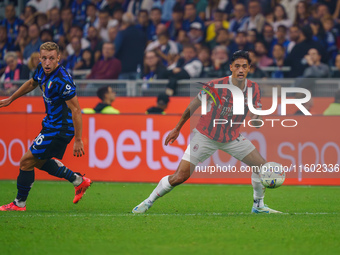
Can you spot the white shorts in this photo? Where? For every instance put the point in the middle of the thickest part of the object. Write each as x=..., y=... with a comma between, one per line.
x=202, y=147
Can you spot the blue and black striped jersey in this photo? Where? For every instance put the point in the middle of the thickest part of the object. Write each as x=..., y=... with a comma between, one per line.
x=57, y=88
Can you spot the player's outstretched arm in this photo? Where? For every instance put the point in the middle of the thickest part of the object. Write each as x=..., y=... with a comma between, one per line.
x=192, y=107
x=78, y=147
x=28, y=86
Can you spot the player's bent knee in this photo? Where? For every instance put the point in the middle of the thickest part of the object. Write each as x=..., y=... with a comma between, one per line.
x=177, y=179
x=27, y=162
x=26, y=165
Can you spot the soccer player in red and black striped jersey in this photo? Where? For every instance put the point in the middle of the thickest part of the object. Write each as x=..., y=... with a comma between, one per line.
x=209, y=137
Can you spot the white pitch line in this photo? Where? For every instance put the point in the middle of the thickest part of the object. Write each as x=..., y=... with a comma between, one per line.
x=24, y=215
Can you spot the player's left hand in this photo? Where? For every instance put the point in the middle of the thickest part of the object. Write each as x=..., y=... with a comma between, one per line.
x=78, y=148
x=256, y=121
x=172, y=136
x=5, y=102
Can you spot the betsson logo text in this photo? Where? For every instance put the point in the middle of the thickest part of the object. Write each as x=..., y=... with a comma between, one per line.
x=144, y=147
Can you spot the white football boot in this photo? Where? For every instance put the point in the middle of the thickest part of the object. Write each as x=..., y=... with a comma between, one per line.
x=264, y=209
x=142, y=207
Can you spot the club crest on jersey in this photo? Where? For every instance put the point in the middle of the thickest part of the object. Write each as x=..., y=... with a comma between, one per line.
x=49, y=84
x=195, y=147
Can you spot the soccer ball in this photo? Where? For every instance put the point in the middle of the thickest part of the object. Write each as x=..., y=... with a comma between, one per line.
x=272, y=175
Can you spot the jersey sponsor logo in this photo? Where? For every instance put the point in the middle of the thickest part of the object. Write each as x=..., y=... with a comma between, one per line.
x=46, y=99
x=227, y=111
x=209, y=93
x=68, y=91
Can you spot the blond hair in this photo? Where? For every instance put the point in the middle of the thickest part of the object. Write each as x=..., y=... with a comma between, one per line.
x=10, y=54
x=49, y=46
x=30, y=61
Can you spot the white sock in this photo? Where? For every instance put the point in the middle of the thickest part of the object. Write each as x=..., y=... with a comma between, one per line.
x=162, y=188
x=21, y=204
x=259, y=190
x=77, y=181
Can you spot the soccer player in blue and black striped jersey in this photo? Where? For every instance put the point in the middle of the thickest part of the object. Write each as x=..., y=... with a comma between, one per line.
x=62, y=122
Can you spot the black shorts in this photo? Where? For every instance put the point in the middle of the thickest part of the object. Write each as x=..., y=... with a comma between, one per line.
x=50, y=144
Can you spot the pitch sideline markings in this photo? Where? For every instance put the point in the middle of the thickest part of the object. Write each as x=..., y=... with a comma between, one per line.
x=7, y=214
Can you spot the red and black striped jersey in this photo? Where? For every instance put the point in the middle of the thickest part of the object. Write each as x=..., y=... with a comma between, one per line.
x=225, y=132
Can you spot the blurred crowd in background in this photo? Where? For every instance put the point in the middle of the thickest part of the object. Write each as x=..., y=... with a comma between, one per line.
x=172, y=39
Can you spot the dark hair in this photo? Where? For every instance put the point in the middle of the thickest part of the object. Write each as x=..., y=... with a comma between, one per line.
x=166, y=34
x=267, y=25
x=91, y=60
x=35, y=24
x=219, y=11
x=143, y=10
x=321, y=30
x=307, y=32
x=119, y=9
x=318, y=52
x=189, y=45
x=23, y=25
x=241, y=32
x=263, y=44
x=66, y=9
x=223, y=29
x=77, y=27
x=282, y=27
x=193, y=4
x=206, y=48
x=255, y=31
x=102, y=91
x=177, y=8
x=254, y=1
x=280, y=45
x=284, y=11
x=163, y=99
x=104, y=11
x=43, y=15
x=146, y=67
x=295, y=25
x=33, y=9
x=47, y=31
x=297, y=17
x=156, y=9
x=91, y=5
x=240, y=54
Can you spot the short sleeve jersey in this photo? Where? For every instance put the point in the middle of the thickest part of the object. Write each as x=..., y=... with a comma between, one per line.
x=57, y=88
x=225, y=132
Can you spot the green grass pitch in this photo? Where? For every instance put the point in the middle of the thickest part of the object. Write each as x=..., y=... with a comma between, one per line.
x=192, y=219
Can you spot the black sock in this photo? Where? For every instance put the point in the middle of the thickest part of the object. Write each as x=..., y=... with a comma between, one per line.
x=59, y=171
x=24, y=184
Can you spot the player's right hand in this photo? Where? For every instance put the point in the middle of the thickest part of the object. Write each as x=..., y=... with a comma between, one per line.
x=172, y=136
x=5, y=102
